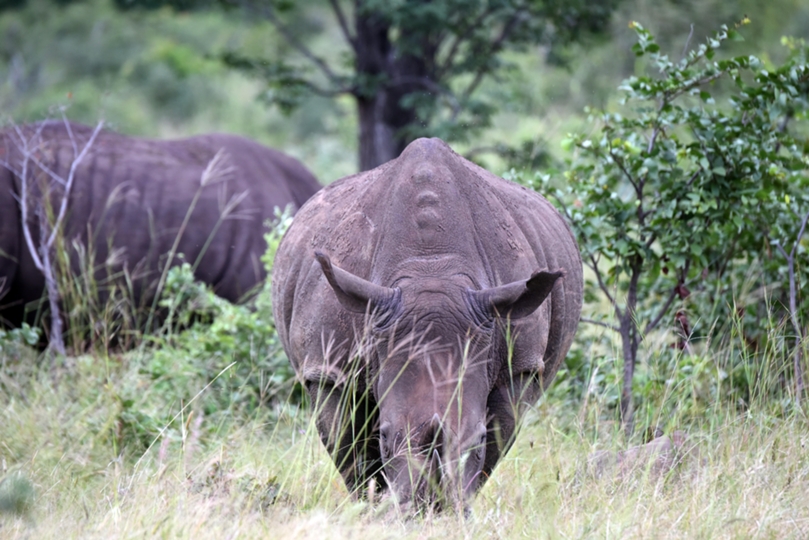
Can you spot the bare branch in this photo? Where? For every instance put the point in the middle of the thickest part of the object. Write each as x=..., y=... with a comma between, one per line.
x=496, y=45
x=460, y=36
x=266, y=11
x=26, y=229
x=601, y=284
x=47, y=170
x=69, y=184
x=69, y=132
x=800, y=234
x=338, y=12
x=688, y=40
x=600, y=323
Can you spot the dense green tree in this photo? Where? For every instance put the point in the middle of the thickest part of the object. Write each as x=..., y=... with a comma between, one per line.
x=413, y=66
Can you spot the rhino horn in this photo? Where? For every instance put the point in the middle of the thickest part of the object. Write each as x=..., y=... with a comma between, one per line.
x=359, y=295
x=517, y=299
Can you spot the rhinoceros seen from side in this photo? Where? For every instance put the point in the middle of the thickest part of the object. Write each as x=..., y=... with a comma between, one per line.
x=425, y=304
x=135, y=200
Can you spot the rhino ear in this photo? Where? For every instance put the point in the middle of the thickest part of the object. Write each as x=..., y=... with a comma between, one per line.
x=517, y=299
x=359, y=295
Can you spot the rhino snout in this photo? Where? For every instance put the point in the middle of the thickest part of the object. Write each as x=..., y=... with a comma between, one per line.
x=434, y=462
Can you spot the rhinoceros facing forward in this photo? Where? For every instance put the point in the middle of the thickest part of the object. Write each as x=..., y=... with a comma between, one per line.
x=425, y=304
x=135, y=200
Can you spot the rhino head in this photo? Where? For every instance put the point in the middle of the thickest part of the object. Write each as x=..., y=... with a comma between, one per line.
x=433, y=373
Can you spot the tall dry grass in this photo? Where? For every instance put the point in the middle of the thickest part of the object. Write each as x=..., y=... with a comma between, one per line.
x=66, y=475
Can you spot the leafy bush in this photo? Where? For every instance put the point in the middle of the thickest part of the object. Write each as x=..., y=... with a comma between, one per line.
x=208, y=340
x=215, y=359
x=682, y=192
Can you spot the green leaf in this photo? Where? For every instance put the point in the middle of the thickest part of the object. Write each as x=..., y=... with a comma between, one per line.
x=567, y=143
x=733, y=35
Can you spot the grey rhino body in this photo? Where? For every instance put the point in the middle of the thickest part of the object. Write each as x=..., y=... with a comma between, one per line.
x=426, y=242
x=129, y=203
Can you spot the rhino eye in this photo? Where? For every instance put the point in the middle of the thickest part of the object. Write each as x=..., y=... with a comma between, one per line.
x=383, y=434
x=481, y=446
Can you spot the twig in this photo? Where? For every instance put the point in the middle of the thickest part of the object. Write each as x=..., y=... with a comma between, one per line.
x=290, y=37
x=338, y=12
x=460, y=36
x=793, y=309
x=618, y=161
x=800, y=234
x=495, y=46
x=688, y=40
x=601, y=284
x=654, y=322
x=600, y=323
x=69, y=183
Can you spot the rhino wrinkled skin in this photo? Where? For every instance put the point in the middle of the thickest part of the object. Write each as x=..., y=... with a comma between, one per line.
x=130, y=198
x=425, y=304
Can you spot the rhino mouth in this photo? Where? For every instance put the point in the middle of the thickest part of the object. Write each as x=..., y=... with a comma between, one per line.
x=434, y=489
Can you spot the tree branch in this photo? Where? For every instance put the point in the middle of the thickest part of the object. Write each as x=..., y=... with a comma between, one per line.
x=653, y=139
x=23, y=200
x=496, y=45
x=653, y=237
x=601, y=284
x=599, y=323
x=338, y=12
x=688, y=40
x=618, y=161
x=77, y=159
x=267, y=12
x=654, y=322
x=800, y=234
x=460, y=36
x=695, y=84
x=693, y=177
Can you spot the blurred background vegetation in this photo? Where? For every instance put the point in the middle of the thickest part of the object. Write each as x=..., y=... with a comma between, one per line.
x=154, y=68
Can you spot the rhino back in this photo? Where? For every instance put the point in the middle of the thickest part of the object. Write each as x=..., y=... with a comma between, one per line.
x=428, y=204
x=10, y=243
x=133, y=199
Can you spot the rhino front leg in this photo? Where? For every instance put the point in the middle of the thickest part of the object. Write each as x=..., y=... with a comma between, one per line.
x=347, y=424
x=506, y=404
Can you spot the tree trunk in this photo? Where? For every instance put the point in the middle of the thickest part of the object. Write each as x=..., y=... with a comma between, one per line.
x=56, y=342
x=378, y=142
x=630, y=340
x=629, y=345
x=386, y=76
x=797, y=365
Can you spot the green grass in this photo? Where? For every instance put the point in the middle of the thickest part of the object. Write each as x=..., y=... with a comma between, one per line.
x=267, y=476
